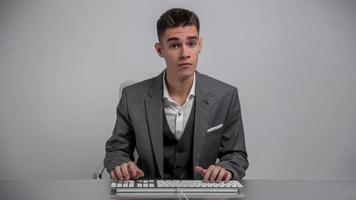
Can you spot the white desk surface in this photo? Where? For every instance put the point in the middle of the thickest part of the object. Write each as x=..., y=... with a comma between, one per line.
x=254, y=190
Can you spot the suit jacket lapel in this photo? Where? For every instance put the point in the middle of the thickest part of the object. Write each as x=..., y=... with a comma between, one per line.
x=153, y=105
x=202, y=99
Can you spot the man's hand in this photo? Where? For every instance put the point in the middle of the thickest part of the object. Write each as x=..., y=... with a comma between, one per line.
x=126, y=171
x=214, y=173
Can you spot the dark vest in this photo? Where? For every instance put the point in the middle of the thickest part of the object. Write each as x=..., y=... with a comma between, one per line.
x=178, y=154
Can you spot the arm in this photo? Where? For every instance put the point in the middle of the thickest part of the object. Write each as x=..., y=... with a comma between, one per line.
x=120, y=146
x=232, y=153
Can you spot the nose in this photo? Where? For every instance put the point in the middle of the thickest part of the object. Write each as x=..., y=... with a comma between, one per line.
x=184, y=53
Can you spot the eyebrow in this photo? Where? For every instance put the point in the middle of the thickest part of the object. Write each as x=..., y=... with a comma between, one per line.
x=177, y=39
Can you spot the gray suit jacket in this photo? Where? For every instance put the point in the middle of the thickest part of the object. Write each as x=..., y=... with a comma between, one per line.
x=218, y=129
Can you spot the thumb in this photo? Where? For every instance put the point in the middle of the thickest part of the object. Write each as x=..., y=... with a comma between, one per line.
x=200, y=170
x=139, y=173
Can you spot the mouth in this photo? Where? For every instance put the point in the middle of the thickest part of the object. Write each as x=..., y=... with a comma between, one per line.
x=185, y=64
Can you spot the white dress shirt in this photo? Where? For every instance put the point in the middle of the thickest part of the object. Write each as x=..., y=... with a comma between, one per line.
x=177, y=116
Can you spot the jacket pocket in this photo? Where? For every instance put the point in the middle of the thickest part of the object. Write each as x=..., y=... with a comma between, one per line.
x=215, y=130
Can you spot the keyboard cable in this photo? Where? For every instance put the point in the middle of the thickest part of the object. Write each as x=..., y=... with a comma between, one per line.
x=180, y=191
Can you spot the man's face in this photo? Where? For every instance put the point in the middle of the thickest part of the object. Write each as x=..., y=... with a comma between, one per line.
x=180, y=48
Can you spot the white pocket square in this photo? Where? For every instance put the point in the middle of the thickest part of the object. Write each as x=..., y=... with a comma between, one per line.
x=215, y=128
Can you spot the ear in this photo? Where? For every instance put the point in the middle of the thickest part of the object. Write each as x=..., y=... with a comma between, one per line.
x=200, y=44
x=158, y=48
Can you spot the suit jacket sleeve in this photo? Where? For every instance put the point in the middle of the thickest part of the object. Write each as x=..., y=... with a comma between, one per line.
x=120, y=146
x=232, y=154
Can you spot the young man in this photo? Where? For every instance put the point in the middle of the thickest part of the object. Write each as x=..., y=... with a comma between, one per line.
x=183, y=124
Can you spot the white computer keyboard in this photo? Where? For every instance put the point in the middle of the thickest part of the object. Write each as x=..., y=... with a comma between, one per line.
x=172, y=186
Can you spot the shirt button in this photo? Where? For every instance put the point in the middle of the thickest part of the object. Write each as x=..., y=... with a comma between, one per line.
x=179, y=113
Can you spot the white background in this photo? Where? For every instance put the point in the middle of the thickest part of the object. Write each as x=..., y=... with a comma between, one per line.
x=294, y=63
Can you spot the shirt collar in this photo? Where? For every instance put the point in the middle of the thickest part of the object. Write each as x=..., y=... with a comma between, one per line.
x=166, y=93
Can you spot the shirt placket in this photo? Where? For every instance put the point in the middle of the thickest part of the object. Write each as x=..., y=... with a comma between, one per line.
x=179, y=122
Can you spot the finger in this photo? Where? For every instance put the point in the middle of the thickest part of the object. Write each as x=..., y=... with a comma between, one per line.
x=118, y=173
x=200, y=170
x=139, y=173
x=113, y=175
x=228, y=176
x=132, y=169
x=221, y=175
x=215, y=173
x=208, y=173
x=124, y=171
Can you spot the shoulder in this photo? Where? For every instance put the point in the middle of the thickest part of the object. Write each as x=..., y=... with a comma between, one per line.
x=214, y=85
x=142, y=87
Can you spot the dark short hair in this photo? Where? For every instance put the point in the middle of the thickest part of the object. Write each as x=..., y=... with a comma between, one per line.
x=176, y=17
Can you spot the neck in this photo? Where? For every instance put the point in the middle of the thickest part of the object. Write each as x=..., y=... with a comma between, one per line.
x=179, y=88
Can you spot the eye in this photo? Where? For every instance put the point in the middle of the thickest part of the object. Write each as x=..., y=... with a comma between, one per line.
x=173, y=45
x=192, y=43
